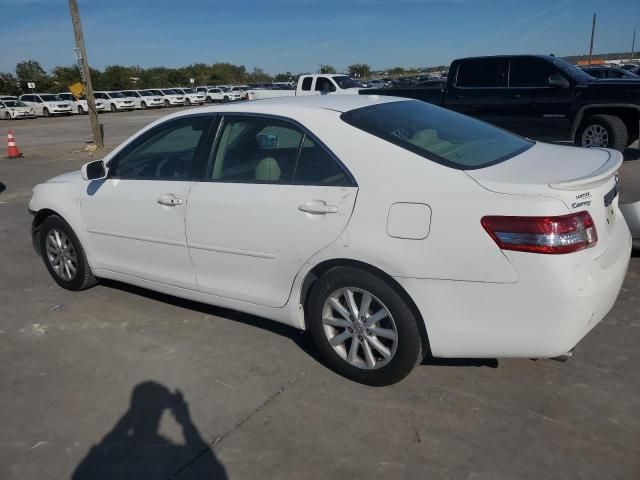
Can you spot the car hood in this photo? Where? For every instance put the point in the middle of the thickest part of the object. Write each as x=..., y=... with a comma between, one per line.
x=69, y=177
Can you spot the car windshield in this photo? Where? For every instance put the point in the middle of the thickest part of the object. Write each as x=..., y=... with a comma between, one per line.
x=575, y=72
x=346, y=82
x=189, y=90
x=169, y=92
x=116, y=95
x=50, y=98
x=145, y=94
x=440, y=135
x=14, y=103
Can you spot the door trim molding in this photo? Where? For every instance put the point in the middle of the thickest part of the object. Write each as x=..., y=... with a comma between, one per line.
x=232, y=251
x=141, y=238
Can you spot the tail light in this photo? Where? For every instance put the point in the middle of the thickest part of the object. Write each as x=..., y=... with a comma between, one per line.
x=553, y=235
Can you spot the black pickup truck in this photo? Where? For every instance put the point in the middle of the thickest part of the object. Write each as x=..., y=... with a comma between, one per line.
x=539, y=97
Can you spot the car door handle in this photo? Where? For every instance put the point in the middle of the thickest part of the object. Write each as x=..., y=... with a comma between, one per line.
x=170, y=200
x=317, y=208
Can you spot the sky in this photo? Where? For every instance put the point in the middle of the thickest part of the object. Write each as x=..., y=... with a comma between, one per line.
x=298, y=35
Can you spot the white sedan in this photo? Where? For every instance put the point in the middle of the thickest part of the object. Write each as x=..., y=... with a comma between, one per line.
x=14, y=109
x=191, y=96
x=389, y=228
x=80, y=106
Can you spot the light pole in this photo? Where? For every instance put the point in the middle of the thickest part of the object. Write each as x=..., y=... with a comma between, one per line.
x=85, y=73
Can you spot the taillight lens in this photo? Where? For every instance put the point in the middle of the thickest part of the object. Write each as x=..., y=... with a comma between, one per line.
x=560, y=234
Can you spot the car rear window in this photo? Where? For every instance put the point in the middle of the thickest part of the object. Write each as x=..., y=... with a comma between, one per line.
x=440, y=135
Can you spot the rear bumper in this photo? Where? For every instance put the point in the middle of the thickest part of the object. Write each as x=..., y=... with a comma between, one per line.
x=556, y=301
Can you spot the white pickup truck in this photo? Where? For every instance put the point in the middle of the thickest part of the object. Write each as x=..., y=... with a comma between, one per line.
x=319, y=84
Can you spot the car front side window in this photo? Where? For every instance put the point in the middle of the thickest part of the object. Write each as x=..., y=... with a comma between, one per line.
x=167, y=152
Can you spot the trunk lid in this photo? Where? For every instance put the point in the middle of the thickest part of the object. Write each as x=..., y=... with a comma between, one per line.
x=583, y=179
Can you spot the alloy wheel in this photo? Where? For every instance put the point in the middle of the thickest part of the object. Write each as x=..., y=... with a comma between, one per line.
x=595, y=135
x=61, y=255
x=359, y=328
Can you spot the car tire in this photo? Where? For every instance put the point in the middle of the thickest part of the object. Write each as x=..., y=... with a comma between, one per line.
x=166, y=104
x=187, y=102
x=113, y=108
x=80, y=110
x=380, y=359
x=59, y=246
x=143, y=105
x=7, y=116
x=208, y=100
x=225, y=99
x=605, y=131
x=45, y=112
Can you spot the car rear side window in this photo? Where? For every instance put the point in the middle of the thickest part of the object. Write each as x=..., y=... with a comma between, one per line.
x=166, y=152
x=482, y=73
x=316, y=167
x=306, y=83
x=440, y=135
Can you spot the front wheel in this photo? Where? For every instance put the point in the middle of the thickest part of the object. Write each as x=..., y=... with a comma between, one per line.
x=80, y=110
x=166, y=104
x=64, y=256
x=188, y=102
x=225, y=100
x=604, y=131
x=7, y=116
x=114, y=109
x=363, y=328
x=45, y=112
x=143, y=105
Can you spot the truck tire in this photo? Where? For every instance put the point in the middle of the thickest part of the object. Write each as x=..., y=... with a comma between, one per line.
x=605, y=131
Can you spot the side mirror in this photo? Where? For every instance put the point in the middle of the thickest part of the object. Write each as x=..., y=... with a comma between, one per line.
x=94, y=170
x=557, y=80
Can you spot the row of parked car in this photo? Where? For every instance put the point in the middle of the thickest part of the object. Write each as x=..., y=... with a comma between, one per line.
x=48, y=104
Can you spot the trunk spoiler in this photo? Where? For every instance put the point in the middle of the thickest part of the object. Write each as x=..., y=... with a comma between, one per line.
x=608, y=168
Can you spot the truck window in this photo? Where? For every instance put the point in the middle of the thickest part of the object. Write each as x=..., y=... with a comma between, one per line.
x=324, y=85
x=482, y=73
x=530, y=72
x=306, y=83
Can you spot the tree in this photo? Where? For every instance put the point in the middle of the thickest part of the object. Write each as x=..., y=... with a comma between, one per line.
x=324, y=68
x=396, y=71
x=258, y=76
x=9, y=84
x=62, y=77
x=283, y=77
x=117, y=77
x=32, y=71
x=359, y=70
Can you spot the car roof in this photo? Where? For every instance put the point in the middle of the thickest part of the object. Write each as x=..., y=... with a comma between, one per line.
x=279, y=105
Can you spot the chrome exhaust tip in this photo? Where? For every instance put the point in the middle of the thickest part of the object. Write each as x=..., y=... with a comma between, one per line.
x=564, y=357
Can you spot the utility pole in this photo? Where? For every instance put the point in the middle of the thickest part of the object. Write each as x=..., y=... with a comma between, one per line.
x=83, y=63
x=593, y=31
x=633, y=45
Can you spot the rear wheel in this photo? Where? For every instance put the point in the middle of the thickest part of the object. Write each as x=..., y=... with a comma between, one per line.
x=604, y=131
x=64, y=256
x=362, y=327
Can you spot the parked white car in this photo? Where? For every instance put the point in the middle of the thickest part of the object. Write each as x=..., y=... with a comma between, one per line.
x=310, y=85
x=191, y=96
x=15, y=109
x=115, y=101
x=220, y=94
x=389, y=228
x=46, y=104
x=80, y=106
x=8, y=97
x=169, y=97
x=143, y=99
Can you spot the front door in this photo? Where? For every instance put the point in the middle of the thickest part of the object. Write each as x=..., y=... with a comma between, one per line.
x=134, y=220
x=274, y=197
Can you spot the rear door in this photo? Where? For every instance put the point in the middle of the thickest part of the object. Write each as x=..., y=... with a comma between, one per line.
x=272, y=197
x=480, y=89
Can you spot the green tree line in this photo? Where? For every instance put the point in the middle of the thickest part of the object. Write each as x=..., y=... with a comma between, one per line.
x=118, y=77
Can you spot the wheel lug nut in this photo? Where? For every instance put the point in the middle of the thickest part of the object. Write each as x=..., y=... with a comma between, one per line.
x=350, y=330
x=368, y=332
x=359, y=337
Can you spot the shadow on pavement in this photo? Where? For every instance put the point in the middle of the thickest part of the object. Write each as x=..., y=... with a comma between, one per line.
x=461, y=362
x=300, y=338
x=631, y=154
x=135, y=450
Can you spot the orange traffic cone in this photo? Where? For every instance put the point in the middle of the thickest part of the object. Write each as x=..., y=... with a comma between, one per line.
x=12, y=149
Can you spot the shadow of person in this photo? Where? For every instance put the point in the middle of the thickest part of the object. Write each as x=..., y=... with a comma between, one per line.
x=135, y=450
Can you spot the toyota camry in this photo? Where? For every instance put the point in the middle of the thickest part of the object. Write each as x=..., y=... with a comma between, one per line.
x=389, y=228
